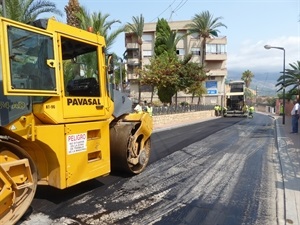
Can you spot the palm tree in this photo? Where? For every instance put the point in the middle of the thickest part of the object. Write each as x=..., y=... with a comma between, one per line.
x=206, y=26
x=292, y=78
x=171, y=40
x=247, y=78
x=96, y=22
x=137, y=27
x=100, y=24
x=28, y=10
x=72, y=9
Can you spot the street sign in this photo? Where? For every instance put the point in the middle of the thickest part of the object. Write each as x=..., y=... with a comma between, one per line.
x=211, y=92
x=211, y=84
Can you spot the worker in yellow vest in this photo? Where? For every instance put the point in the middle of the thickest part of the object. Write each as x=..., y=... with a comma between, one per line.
x=216, y=108
x=149, y=109
x=251, y=111
x=281, y=110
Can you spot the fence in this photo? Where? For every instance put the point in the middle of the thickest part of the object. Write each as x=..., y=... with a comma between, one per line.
x=164, y=110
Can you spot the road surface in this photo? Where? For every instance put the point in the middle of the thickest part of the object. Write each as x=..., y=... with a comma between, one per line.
x=221, y=171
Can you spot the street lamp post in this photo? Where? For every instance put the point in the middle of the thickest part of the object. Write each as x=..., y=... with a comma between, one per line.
x=283, y=82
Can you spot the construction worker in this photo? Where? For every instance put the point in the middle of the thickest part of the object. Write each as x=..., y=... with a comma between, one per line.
x=139, y=107
x=281, y=109
x=216, y=108
x=149, y=109
x=251, y=111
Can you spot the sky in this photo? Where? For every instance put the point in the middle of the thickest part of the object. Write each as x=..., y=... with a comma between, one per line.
x=251, y=24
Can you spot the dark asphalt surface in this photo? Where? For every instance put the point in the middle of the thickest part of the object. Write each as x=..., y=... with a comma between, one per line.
x=199, y=174
x=170, y=140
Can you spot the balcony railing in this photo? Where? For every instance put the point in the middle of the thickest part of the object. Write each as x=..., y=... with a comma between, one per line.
x=132, y=76
x=217, y=72
x=133, y=61
x=132, y=46
x=215, y=56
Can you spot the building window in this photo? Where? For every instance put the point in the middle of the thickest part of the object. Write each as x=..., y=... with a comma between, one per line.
x=195, y=36
x=180, y=51
x=216, y=48
x=147, y=53
x=147, y=38
x=180, y=34
x=195, y=51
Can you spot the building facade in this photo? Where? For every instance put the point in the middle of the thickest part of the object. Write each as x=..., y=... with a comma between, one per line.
x=215, y=60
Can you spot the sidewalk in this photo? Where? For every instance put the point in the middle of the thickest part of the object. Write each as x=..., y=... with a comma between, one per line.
x=289, y=160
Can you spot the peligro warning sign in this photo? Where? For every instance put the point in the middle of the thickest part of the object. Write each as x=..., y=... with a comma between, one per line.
x=76, y=143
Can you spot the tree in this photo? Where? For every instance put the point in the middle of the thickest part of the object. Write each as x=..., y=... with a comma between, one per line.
x=100, y=24
x=162, y=72
x=171, y=40
x=206, y=26
x=165, y=43
x=95, y=22
x=137, y=27
x=162, y=31
x=194, y=75
x=165, y=94
x=197, y=89
x=28, y=10
x=271, y=101
x=292, y=79
x=247, y=77
x=72, y=10
x=171, y=75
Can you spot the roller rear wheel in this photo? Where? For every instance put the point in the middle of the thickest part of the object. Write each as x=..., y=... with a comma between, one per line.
x=18, y=182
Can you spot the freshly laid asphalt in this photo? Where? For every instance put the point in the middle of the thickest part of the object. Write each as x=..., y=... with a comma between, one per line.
x=288, y=146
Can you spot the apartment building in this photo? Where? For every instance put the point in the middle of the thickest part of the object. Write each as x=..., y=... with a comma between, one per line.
x=215, y=61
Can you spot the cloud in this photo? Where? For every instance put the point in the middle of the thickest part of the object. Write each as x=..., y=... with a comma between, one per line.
x=253, y=56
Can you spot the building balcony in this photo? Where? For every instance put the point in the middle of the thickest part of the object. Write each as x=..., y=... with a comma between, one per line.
x=132, y=76
x=216, y=56
x=131, y=46
x=217, y=72
x=133, y=62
